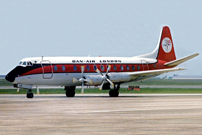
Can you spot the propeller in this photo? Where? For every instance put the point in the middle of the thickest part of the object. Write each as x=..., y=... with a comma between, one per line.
x=104, y=77
x=82, y=79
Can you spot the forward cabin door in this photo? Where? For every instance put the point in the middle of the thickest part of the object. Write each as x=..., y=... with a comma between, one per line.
x=47, y=69
x=145, y=65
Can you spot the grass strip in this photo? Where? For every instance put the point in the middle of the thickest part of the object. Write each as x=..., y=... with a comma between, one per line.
x=97, y=91
x=167, y=82
x=3, y=82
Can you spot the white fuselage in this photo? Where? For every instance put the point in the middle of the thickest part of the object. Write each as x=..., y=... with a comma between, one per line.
x=63, y=71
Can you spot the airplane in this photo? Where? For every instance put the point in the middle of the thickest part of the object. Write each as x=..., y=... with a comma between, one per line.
x=105, y=72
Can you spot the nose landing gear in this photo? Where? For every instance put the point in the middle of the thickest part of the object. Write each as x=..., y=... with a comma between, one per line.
x=30, y=94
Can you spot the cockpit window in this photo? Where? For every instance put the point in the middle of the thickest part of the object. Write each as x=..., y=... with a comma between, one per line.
x=29, y=63
x=24, y=63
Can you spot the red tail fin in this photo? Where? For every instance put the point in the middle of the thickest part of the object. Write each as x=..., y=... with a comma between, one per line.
x=166, y=50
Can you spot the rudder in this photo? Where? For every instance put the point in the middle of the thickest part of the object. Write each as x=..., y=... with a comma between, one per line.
x=165, y=46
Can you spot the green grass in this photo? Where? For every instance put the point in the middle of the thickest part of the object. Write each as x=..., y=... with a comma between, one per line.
x=97, y=91
x=167, y=82
x=3, y=82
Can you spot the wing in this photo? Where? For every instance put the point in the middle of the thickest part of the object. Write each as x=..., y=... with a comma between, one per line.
x=141, y=75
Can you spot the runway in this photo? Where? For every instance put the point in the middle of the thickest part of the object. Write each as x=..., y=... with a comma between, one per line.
x=100, y=114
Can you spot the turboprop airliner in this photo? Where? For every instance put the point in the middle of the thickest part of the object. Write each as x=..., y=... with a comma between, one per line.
x=96, y=71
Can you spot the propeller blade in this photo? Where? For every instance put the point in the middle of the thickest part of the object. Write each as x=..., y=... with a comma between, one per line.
x=82, y=88
x=110, y=82
x=102, y=84
x=82, y=71
x=109, y=67
x=98, y=71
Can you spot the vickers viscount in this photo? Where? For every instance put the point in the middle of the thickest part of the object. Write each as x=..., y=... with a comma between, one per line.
x=96, y=71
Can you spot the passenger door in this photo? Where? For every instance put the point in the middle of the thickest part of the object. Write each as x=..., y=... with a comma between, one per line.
x=145, y=65
x=47, y=69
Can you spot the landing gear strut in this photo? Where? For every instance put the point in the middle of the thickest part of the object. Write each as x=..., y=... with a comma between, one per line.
x=30, y=94
x=114, y=92
x=70, y=91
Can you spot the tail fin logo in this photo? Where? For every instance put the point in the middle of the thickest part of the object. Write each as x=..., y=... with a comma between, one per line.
x=166, y=45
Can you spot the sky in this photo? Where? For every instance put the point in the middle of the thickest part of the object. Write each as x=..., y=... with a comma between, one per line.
x=115, y=28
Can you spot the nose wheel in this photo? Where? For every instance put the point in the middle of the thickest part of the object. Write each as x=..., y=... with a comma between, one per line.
x=30, y=94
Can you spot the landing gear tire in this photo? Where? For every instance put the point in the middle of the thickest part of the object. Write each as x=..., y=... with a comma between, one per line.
x=113, y=93
x=30, y=94
x=70, y=93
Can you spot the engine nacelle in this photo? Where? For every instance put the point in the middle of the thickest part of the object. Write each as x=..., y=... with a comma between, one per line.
x=23, y=86
x=114, y=77
x=119, y=77
x=93, y=79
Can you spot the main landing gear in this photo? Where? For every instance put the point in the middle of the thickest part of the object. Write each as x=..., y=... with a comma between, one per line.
x=70, y=91
x=114, y=92
x=30, y=94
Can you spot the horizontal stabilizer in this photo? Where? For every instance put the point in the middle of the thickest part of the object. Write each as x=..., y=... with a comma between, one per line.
x=179, y=61
x=154, y=72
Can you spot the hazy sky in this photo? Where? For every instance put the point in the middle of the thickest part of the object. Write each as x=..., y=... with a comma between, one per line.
x=30, y=28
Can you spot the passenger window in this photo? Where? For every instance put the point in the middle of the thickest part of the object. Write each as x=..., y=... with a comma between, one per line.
x=122, y=68
x=88, y=68
x=95, y=67
x=133, y=67
x=75, y=68
x=115, y=68
x=63, y=68
x=108, y=66
x=128, y=68
x=55, y=68
x=138, y=68
x=102, y=67
x=154, y=66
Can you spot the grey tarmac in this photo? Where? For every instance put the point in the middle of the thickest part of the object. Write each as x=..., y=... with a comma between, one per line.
x=99, y=114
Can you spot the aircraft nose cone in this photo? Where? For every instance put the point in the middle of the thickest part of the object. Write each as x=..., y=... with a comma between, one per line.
x=12, y=75
x=10, y=78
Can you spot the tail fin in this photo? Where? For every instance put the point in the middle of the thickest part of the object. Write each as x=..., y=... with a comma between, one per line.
x=165, y=48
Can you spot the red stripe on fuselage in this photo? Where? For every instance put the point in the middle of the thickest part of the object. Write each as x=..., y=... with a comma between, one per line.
x=69, y=68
